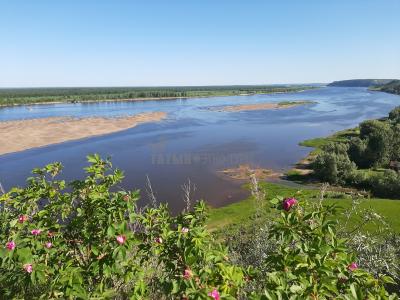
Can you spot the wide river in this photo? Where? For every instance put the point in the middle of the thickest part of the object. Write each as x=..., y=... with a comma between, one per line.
x=195, y=142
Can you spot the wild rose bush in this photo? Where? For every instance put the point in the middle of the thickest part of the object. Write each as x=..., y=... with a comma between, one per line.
x=89, y=240
x=81, y=240
x=310, y=261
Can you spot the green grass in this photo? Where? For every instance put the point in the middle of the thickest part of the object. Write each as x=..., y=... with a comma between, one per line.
x=287, y=103
x=241, y=213
x=340, y=136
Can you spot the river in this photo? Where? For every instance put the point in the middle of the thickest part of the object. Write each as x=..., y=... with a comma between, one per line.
x=195, y=142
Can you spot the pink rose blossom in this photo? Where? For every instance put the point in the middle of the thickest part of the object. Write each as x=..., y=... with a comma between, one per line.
x=158, y=240
x=36, y=231
x=214, y=294
x=48, y=245
x=185, y=230
x=352, y=267
x=22, y=218
x=121, y=239
x=288, y=203
x=10, y=245
x=187, y=274
x=28, y=268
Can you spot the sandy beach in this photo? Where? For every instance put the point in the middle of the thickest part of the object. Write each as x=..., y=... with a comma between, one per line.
x=26, y=134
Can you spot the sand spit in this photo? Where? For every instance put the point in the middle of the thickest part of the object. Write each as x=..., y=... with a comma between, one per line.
x=261, y=106
x=26, y=134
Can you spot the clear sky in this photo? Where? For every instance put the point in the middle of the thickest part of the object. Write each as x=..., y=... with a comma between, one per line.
x=196, y=42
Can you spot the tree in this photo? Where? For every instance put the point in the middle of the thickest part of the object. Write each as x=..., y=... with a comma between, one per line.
x=378, y=137
x=356, y=152
x=394, y=115
x=333, y=167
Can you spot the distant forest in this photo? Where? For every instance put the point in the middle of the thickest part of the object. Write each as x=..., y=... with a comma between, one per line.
x=15, y=96
x=360, y=82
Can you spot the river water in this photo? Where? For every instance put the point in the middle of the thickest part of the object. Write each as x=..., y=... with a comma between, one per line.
x=195, y=142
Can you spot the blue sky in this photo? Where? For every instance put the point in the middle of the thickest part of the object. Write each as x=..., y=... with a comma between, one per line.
x=207, y=42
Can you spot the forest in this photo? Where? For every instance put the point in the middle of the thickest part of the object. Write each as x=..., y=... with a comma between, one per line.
x=19, y=96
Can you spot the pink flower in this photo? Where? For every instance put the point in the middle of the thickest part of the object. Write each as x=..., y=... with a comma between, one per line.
x=36, y=231
x=11, y=245
x=288, y=203
x=121, y=239
x=185, y=230
x=22, y=218
x=352, y=267
x=214, y=294
x=48, y=245
x=187, y=274
x=28, y=268
x=158, y=240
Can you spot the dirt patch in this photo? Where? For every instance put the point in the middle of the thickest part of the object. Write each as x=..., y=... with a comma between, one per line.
x=243, y=172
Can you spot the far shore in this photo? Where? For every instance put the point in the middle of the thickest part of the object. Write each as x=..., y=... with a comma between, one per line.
x=139, y=99
x=21, y=135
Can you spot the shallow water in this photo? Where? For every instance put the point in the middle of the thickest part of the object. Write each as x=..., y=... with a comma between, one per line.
x=195, y=142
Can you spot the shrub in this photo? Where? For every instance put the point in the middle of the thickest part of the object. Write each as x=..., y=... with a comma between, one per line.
x=378, y=138
x=357, y=148
x=88, y=240
x=394, y=115
x=82, y=240
x=333, y=166
x=385, y=184
x=311, y=261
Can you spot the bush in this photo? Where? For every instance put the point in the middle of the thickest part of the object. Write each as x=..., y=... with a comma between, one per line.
x=385, y=184
x=394, y=115
x=357, y=148
x=81, y=241
x=88, y=240
x=378, y=138
x=333, y=164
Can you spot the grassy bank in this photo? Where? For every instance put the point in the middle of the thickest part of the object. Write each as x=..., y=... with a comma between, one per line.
x=241, y=213
x=45, y=95
x=340, y=136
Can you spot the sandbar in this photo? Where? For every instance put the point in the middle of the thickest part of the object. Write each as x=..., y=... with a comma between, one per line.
x=261, y=106
x=20, y=135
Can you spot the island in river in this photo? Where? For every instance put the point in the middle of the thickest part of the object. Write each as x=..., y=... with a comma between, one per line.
x=262, y=106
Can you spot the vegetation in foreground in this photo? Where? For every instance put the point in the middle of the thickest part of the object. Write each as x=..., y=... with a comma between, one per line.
x=87, y=240
x=43, y=95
